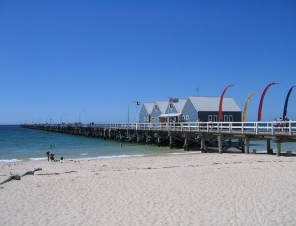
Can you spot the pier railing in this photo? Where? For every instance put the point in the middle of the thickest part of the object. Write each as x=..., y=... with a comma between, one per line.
x=264, y=128
x=272, y=128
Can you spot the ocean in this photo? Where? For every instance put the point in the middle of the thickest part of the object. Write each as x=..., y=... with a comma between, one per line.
x=22, y=144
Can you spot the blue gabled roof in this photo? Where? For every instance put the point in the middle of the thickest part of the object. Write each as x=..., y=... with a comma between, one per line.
x=180, y=104
x=162, y=105
x=149, y=107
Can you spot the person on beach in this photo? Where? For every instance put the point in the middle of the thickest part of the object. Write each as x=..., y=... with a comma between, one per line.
x=51, y=156
x=121, y=140
x=47, y=153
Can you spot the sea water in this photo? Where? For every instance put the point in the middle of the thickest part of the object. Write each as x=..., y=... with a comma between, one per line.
x=22, y=144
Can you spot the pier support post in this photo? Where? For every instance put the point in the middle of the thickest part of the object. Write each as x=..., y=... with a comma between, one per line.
x=202, y=143
x=171, y=141
x=242, y=144
x=158, y=140
x=269, y=151
x=247, y=145
x=186, y=147
x=147, y=138
x=220, y=142
x=279, y=149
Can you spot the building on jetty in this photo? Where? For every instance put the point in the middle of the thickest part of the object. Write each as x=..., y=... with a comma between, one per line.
x=145, y=112
x=223, y=135
x=190, y=109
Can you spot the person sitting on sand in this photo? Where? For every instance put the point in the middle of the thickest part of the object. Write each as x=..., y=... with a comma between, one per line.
x=51, y=156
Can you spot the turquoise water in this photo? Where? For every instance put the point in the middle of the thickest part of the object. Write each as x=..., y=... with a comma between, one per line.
x=21, y=144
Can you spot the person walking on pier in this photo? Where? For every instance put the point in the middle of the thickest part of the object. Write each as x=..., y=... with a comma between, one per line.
x=286, y=124
x=275, y=124
x=281, y=124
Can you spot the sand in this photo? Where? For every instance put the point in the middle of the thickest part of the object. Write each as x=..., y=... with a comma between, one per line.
x=189, y=189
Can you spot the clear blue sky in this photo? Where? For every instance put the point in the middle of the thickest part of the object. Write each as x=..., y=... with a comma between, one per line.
x=58, y=58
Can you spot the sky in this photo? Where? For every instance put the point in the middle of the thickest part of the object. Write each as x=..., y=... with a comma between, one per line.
x=89, y=60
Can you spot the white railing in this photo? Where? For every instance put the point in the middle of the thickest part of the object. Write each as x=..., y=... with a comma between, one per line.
x=272, y=128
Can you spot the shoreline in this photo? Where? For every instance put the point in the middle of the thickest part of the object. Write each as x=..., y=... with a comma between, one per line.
x=179, y=151
x=184, y=189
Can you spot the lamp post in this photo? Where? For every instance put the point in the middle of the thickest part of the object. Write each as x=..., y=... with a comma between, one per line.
x=62, y=118
x=80, y=117
x=47, y=118
x=39, y=119
x=137, y=102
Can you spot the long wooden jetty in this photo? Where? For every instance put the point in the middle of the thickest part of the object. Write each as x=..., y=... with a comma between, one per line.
x=223, y=135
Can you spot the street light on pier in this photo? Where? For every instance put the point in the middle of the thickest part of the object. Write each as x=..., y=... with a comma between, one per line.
x=38, y=119
x=80, y=116
x=137, y=103
x=47, y=118
x=62, y=118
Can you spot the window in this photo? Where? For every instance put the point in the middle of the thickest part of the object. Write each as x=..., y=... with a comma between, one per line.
x=209, y=118
x=225, y=118
x=187, y=117
x=215, y=118
x=230, y=118
x=156, y=107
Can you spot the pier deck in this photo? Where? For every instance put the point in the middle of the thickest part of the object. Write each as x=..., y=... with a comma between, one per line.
x=220, y=134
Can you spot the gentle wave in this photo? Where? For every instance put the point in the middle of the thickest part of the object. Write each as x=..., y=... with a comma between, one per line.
x=188, y=152
x=105, y=157
x=37, y=159
x=10, y=160
x=118, y=156
x=84, y=153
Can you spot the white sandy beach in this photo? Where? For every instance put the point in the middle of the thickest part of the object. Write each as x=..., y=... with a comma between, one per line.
x=189, y=189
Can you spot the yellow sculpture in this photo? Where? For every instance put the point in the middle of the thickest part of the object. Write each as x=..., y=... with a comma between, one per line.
x=246, y=106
